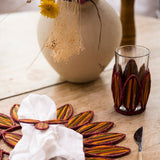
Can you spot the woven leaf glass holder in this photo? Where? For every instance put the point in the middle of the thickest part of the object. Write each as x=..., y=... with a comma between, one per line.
x=131, y=79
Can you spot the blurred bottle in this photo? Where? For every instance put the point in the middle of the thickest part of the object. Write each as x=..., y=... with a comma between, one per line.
x=128, y=22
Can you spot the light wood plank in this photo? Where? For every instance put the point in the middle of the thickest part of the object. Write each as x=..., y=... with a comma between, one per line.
x=18, y=49
x=97, y=96
x=148, y=33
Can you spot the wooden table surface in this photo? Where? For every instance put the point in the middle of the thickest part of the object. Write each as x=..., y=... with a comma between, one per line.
x=18, y=78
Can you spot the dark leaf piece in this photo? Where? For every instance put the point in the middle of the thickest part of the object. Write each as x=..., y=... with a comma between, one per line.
x=97, y=158
x=146, y=85
x=107, y=151
x=103, y=139
x=5, y=121
x=131, y=93
x=131, y=68
x=2, y=152
x=117, y=88
x=29, y=121
x=141, y=73
x=13, y=128
x=80, y=119
x=11, y=138
x=56, y=121
x=65, y=112
x=42, y=126
x=95, y=128
x=118, y=69
x=13, y=112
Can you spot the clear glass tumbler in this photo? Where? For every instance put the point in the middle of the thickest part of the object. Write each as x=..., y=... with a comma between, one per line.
x=131, y=80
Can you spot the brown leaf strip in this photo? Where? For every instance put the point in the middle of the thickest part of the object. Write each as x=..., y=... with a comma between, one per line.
x=5, y=121
x=146, y=85
x=13, y=112
x=103, y=139
x=97, y=158
x=29, y=121
x=141, y=73
x=80, y=119
x=118, y=69
x=131, y=68
x=117, y=89
x=107, y=151
x=13, y=128
x=95, y=128
x=42, y=125
x=11, y=138
x=131, y=93
x=56, y=121
x=64, y=112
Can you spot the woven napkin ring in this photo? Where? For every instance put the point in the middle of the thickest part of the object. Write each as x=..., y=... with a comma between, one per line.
x=42, y=125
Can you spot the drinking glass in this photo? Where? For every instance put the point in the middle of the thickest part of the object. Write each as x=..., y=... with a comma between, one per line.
x=131, y=80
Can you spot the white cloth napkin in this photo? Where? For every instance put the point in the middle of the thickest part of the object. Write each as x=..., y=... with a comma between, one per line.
x=56, y=143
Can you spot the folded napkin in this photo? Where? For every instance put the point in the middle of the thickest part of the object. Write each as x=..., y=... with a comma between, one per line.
x=56, y=143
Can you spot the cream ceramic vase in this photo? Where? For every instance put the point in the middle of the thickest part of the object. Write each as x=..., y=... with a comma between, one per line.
x=87, y=65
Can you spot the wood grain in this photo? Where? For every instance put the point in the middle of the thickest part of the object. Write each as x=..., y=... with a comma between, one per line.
x=94, y=96
x=18, y=49
x=97, y=96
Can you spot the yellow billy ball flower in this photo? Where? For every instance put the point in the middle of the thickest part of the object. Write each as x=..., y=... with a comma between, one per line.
x=49, y=8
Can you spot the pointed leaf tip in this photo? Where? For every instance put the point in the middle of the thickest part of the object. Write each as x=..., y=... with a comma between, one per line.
x=94, y=128
x=107, y=151
x=65, y=112
x=117, y=88
x=131, y=93
x=42, y=126
x=11, y=138
x=80, y=119
x=131, y=68
x=13, y=112
x=146, y=85
x=104, y=139
x=5, y=121
x=97, y=158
